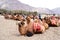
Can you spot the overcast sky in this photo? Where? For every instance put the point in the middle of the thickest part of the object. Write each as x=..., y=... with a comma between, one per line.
x=51, y=4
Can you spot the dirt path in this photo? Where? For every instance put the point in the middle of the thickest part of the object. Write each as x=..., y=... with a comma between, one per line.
x=9, y=31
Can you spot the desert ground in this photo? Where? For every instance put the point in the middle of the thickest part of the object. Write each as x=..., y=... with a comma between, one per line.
x=9, y=31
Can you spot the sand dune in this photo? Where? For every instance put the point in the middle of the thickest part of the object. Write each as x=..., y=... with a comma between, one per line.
x=9, y=31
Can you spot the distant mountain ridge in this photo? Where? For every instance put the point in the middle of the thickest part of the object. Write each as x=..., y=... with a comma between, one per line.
x=56, y=10
x=17, y=5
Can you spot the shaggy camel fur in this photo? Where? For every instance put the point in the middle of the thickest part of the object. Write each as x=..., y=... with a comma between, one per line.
x=30, y=24
x=22, y=27
x=20, y=17
x=45, y=24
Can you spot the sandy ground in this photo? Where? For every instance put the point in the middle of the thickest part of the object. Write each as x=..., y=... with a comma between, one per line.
x=9, y=31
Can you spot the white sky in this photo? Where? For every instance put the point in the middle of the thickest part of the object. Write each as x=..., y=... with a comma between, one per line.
x=51, y=4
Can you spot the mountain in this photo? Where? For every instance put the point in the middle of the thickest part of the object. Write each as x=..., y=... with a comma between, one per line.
x=44, y=10
x=56, y=10
x=17, y=5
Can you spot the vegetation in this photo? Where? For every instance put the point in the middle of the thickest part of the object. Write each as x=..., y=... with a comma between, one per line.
x=2, y=11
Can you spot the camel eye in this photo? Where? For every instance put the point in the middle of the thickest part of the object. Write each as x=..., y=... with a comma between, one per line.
x=22, y=23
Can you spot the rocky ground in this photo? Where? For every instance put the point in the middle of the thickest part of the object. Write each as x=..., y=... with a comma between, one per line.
x=9, y=31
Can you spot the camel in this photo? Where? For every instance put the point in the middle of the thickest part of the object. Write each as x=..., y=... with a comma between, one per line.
x=6, y=16
x=51, y=21
x=45, y=24
x=58, y=21
x=20, y=17
x=22, y=27
x=47, y=20
x=14, y=17
x=38, y=26
x=29, y=26
x=26, y=27
x=10, y=16
x=54, y=21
